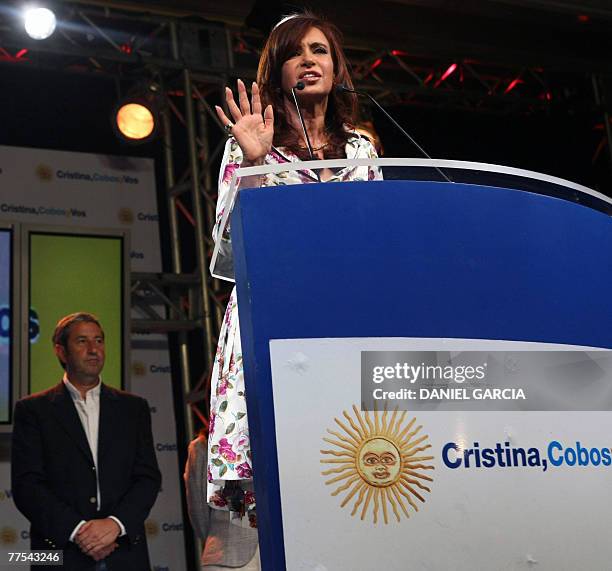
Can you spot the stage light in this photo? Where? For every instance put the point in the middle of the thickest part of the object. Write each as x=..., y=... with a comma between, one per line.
x=135, y=118
x=512, y=85
x=449, y=71
x=39, y=22
x=375, y=64
x=135, y=121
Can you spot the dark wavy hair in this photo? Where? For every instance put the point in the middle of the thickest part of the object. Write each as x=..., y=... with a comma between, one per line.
x=282, y=43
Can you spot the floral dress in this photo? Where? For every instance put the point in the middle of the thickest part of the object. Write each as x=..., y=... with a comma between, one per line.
x=229, y=451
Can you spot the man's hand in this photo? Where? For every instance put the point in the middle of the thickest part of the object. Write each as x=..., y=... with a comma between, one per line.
x=96, y=537
x=104, y=552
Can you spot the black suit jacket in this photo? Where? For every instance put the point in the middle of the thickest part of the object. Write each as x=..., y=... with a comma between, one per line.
x=54, y=476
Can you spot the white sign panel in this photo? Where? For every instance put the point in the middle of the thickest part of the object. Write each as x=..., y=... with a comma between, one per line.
x=435, y=490
x=86, y=191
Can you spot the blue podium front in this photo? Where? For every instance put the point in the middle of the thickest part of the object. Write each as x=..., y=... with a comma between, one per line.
x=402, y=259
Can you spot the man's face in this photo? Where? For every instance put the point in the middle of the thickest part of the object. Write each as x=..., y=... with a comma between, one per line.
x=84, y=353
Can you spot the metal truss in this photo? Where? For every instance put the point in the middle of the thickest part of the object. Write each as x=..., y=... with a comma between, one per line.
x=397, y=78
x=130, y=45
x=165, y=303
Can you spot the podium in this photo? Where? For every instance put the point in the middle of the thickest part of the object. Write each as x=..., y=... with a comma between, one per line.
x=416, y=259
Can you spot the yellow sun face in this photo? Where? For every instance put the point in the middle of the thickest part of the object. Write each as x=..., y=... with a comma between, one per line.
x=380, y=462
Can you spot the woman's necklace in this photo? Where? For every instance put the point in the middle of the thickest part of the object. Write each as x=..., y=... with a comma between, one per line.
x=315, y=149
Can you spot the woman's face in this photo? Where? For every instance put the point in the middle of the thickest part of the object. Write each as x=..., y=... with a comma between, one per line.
x=312, y=64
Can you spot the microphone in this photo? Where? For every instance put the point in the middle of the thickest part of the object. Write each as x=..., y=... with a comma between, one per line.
x=344, y=88
x=299, y=86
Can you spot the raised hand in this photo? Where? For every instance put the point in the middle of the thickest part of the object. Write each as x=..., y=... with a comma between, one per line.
x=253, y=130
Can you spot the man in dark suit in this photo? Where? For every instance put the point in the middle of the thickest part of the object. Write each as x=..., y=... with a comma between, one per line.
x=84, y=470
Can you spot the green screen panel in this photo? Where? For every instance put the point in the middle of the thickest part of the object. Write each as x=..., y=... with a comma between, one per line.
x=70, y=273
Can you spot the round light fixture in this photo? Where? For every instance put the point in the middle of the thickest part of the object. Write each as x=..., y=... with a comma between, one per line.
x=135, y=121
x=39, y=23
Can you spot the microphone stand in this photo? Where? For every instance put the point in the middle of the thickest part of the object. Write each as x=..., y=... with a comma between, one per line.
x=299, y=86
x=388, y=116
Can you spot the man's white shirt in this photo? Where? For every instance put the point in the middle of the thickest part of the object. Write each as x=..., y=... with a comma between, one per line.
x=88, y=409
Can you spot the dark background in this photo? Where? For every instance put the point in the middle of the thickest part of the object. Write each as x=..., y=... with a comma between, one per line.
x=43, y=105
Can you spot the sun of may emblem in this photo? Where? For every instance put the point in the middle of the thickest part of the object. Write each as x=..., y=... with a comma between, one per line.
x=378, y=462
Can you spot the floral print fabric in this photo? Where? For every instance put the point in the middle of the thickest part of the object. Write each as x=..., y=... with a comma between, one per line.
x=229, y=452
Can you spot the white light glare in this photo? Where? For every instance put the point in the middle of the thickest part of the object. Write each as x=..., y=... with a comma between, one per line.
x=39, y=23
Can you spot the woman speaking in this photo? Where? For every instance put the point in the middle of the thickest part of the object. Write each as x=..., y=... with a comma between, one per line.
x=303, y=52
